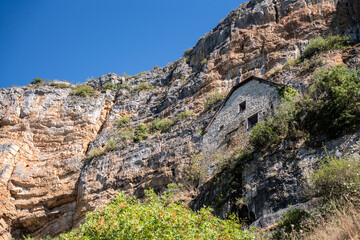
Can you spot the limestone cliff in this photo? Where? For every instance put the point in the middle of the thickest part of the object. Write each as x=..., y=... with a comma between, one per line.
x=45, y=132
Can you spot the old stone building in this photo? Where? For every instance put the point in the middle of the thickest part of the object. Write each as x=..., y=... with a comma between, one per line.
x=247, y=103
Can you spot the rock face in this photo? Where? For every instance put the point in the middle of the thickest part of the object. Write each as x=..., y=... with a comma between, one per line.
x=46, y=187
x=44, y=135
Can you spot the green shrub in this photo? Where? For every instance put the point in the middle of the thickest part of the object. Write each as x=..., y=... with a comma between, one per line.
x=110, y=145
x=160, y=125
x=83, y=90
x=290, y=63
x=204, y=62
x=184, y=115
x=94, y=153
x=37, y=81
x=212, y=98
x=279, y=126
x=136, y=76
x=334, y=100
x=195, y=172
x=157, y=217
x=292, y=221
x=123, y=121
x=125, y=135
x=336, y=178
x=312, y=63
x=109, y=86
x=320, y=44
x=143, y=86
x=61, y=85
x=141, y=131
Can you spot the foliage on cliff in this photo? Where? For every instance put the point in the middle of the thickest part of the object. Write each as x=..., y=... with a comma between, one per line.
x=155, y=218
x=333, y=98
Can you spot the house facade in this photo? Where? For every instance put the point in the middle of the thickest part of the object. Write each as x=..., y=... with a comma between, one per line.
x=247, y=103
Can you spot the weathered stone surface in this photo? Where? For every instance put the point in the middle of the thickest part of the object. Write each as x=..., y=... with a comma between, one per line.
x=45, y=188
x=44, y=135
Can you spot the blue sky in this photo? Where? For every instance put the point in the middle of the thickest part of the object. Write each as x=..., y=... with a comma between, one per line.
x=77, y=39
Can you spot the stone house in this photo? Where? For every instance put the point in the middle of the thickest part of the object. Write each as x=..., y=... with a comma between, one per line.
x=247, y=103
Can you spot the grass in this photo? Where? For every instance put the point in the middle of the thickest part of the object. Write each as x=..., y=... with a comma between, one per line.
x=184, y=115
x=212, y=98
x=160, y=125
x=321, y=44
x=341, y=224
x=143, y=86
x=123, y=121
x=83, y=90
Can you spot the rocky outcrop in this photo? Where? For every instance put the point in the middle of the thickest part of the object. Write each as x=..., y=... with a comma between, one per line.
x=44, y=133
x=46, y=187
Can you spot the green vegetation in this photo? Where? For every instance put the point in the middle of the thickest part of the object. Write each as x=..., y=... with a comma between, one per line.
x=83, y=90
x=336, y=178
x=136, y=76
x=61, y=85
x=160, y=125
x=204, y=62
x=184, y=115
x=320, y=44
x=212, y=98
x=186, y=55
x=333, y=99
x=123, y=121
x=143, y=86
x=141, y=132
x=110, y=145
x=292, y=221
x=125, y=135
x=37, y=81
x=157, y=217
x=109, y=86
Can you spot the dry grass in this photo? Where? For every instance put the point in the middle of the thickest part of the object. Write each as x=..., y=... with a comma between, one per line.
x=342, y=224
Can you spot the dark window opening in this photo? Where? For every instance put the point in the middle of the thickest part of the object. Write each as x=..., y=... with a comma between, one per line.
x=242, y=107
x=252, y=121
x=221, y=127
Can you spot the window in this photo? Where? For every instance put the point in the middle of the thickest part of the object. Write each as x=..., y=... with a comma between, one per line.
x=252, y=121
x=242, y=106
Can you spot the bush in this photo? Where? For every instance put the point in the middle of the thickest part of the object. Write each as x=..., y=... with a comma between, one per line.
x=184, y=115
x=336, y=177
x=61, y=85
x=94, y=153
x=292, y=220
x=155, y=218
x=312, y=63
x=126, y=135
x=109, y=86
x=123, y=121
x=320, y=44
x=160, y=125
x=279, y=126
x=83, y=90
x=195, y=172
x=37, y=81
x=143, y=86
x=110, y=145
x=141, y=132
x=212, y=98
x=334, y=100
x=204, y=62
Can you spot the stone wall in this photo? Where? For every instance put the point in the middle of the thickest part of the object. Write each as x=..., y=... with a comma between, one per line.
x=231, y=125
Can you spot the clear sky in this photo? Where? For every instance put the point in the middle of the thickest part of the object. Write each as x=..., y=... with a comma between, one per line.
x=77, y=39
